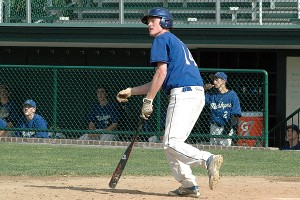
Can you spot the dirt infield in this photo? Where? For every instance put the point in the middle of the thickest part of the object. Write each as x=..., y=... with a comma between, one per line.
x=90, y=188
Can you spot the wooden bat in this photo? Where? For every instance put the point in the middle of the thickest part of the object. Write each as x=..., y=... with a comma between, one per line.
x=122, y=163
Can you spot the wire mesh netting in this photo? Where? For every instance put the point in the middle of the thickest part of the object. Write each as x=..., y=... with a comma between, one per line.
x=193, y=12
x=65, y=97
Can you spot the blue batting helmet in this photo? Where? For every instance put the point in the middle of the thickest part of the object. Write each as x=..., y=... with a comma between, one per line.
x=166, y=20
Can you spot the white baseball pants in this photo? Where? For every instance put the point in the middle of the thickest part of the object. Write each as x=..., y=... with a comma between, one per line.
x=183, y=111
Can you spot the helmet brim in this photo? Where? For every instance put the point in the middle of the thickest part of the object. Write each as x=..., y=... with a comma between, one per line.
x=145, y=19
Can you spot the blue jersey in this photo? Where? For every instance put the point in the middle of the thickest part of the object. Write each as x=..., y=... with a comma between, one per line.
x=103, y=116
x=182, y=68
x=297, y=147
x=222, y=106
x=37, y=122
x=9, y=112
x=2, y=123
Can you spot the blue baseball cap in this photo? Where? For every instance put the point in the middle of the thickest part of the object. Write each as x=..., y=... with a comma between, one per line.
x=293, y=127
x=220, y=75
x=29, y=102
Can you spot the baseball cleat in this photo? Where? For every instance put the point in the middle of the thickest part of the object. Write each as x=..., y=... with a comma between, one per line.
x=186, y=192
x=214, y=170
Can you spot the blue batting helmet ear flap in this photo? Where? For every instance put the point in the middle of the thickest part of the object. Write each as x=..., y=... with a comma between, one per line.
x=166, y=17
x=166, y=23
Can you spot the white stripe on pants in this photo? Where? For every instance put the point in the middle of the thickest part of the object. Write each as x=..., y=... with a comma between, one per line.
x=183, y=111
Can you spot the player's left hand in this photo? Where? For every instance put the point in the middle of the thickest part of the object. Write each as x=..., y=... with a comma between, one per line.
x=123, y=95
x=147, y=108
x=227, y=129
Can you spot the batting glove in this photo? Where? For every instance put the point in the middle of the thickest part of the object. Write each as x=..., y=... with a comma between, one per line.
x=123, y=95
x=147, y=108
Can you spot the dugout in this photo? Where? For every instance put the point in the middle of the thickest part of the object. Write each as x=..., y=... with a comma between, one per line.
x=215, y=47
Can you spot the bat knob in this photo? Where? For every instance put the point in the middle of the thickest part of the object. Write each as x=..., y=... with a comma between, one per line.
x=112, y=185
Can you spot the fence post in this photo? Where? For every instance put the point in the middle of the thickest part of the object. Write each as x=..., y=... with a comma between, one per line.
x=218, y=12
x=55, y=77
x=28, y=11
x=254, y=10
x=121, y=11
x=266, y=111
x=298, y=9
x=260, y=12
x=1, y=11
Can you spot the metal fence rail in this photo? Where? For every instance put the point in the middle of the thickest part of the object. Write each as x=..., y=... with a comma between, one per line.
x=191, y=12
x=64, y=95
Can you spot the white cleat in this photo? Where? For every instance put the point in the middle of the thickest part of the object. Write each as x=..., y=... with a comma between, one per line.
x=214, y=170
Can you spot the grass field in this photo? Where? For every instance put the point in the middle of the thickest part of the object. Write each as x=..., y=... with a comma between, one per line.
x=51, y=160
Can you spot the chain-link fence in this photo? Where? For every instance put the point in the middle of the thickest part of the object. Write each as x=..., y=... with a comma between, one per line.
x=64, y=96
x=191, y=12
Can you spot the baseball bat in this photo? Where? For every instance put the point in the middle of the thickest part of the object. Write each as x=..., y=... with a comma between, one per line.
x=122, y=163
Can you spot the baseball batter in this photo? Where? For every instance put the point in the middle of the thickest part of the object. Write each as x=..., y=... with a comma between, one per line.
x=178, y=75
x=225, y=109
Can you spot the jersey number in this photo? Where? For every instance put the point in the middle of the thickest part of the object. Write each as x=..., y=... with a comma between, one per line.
x=188, y=57
x=225, y=115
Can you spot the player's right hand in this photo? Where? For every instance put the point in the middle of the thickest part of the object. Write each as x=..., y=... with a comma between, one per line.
x=147, y=108
x=123, y=95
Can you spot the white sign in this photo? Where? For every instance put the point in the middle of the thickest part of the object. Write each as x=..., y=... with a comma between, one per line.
x=292, y=85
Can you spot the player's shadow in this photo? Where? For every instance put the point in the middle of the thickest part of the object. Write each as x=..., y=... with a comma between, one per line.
x=102, y=191
x=126, y=191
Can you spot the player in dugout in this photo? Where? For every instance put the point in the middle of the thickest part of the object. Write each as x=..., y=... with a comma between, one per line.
x=292, y=137
x=31, y=120
x=225, y=109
